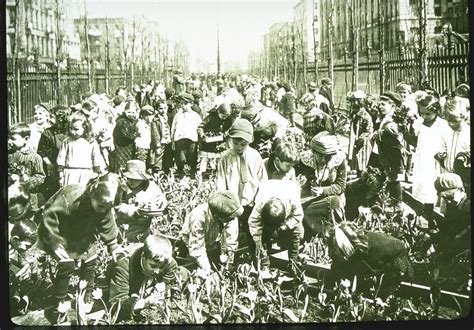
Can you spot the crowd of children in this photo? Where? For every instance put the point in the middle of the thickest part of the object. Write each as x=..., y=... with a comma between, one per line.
x=85, y=169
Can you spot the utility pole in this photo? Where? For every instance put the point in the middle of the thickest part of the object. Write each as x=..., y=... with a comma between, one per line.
x=107, y=56
x=293, y=38
x=59, y=41
x=142, y=57
x=88, y=50
x=355, y=50
x=369, y=48
x=123, y=65
x=305, y=58
x=134, y=36
x=19, y=28
x=315, y=44
x=423, y=70
x=218, y=45
x=381, y=45
x=330, y=48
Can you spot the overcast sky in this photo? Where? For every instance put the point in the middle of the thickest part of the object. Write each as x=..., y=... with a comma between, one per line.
x=242, y=23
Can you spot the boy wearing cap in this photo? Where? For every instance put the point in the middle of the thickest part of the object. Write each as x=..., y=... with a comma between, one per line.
x=210, y=224
x=142, y=200
x=277, y=214
x=390, y=146
x=362, y=128
x=143, y=140
x=386, y=108
x=160, y=138
x=326, y=91
x=184, y=135
x=241, y=169
x=287, y=105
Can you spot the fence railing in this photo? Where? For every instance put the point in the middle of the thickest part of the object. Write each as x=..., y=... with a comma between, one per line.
x=42, y=86
x=446, y=68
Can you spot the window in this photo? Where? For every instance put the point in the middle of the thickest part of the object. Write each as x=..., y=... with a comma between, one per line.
x=12, y=16
x=437, y=7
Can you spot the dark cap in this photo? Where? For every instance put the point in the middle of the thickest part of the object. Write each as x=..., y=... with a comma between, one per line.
x=392, y=96
x=147, y=110
x=186, y=97
x=326, y=81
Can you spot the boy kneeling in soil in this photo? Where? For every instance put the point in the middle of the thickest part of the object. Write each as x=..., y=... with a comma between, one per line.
x=140, y=279
x=209, y=229
x=277, y=215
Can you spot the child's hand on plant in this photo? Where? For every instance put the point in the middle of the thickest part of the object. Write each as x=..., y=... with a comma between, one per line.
x=61, y=253
x=125, y=209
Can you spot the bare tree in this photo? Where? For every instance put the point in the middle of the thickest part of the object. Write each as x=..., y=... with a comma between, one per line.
x=59, y=51
x=381, y=45
x=330, y=46
x=423, y=59
x=315, y=43
x=17, y=49
x=88, y=50
x=134, y=38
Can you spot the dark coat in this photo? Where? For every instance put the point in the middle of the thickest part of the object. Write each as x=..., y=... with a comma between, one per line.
x=327, y=94
x=390, y=154
x=385, y=254
x=212, y=125
x=124, y=134
x=69, y=220
x=128, y=277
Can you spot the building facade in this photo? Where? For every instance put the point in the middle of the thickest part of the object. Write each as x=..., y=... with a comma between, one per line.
x=35, y=28
x=397, y=21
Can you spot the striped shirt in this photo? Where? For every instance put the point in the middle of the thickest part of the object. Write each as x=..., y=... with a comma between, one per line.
x=31, y=164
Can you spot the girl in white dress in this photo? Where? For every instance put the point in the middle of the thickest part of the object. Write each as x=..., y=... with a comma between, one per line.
x=428, y=142
x=79, y=157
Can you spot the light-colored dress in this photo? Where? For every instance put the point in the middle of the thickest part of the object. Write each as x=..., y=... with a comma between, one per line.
x=425, y=166
x=79, y=157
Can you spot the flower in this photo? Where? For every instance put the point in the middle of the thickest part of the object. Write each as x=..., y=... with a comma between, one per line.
x=82, y=284
x=160, y=286
x=97, y=294
x=346, y=283
x=64, y=306
x=192, y=288
x=251, y=295
x=322, y=297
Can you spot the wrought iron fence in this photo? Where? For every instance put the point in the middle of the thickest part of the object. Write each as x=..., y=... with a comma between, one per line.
x=446, y=69
x=40, y=84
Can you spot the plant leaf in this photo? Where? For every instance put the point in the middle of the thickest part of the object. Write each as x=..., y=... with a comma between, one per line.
x=96, y=316
x=291, y=315
x=305, y=308
x=215, y=317
x=244, y=310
